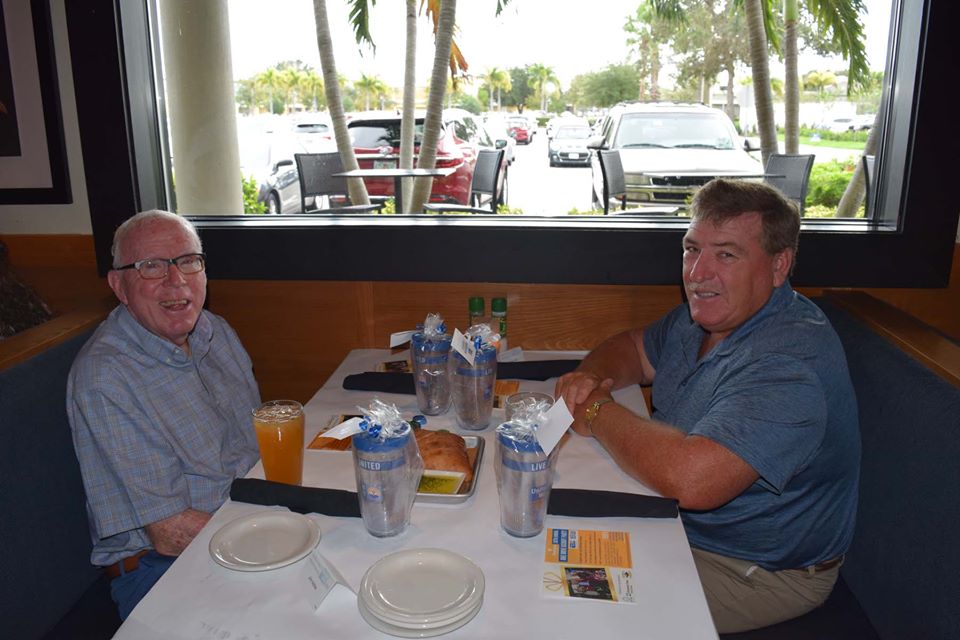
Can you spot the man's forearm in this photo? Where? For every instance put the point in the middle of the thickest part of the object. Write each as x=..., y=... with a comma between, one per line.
x=618, y=358
x=171, y=536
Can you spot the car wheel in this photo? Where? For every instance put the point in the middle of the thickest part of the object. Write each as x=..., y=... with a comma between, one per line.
x=273, y=205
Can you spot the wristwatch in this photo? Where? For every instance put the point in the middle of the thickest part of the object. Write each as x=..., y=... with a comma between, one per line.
x=594, y=409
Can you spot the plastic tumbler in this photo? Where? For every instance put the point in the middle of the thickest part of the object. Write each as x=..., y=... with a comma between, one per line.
x=431, y=372
x=524, y=478
x=526, y=400
x=279, y=428
x=388, y=472
x=473, y=388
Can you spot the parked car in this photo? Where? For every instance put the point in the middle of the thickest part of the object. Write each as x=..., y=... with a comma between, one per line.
x=268, y=157
x=496, y=127
x=670, y=150
x=565, y=118
x=569, y=146
x=520, y=129
x=376, y=142
x=847, y=123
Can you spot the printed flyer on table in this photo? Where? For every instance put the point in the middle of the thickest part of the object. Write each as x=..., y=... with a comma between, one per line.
x=594, y=565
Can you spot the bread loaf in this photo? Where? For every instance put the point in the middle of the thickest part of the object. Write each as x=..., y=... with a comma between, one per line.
x=444, y=451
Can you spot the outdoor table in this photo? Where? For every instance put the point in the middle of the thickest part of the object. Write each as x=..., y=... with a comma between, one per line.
x=199, y=599
x=398, y=175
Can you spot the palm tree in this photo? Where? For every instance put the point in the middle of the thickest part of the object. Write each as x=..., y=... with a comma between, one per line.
x=760, y=65
x=841, y=18
x=820, y=80
x=368, y=87
x=269, y=80
x=356, y=186
x=496, y=79
x=311, y=86
x=408, y=117
x=446, y=22
x=540, y=76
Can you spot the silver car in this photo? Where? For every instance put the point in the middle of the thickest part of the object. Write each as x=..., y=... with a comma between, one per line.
x=670, y=150
x=569, y=146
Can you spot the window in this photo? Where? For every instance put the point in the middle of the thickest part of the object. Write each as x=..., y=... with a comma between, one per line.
x=122, y=156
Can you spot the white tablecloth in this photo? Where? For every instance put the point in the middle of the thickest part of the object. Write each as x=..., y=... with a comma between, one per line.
x=199, y=599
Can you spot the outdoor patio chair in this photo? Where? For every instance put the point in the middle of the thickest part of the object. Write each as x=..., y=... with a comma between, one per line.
x=485, y=189
x=868, y=179
x=315, y=172
x=614, y=182
x=790, y=174
x=615, y=187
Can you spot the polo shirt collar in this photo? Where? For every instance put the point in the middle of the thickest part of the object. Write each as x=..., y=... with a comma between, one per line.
x=779, y=300
x=164, y=350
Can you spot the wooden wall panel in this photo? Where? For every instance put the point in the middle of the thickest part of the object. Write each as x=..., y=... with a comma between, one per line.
x=295, y=350
x=61, y=268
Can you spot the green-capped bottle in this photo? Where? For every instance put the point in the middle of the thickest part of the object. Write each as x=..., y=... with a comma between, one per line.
x=498, y=311
x=476, y=307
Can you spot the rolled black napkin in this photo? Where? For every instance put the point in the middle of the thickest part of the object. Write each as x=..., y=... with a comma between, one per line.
x=609, y=504
x=393, y=382
x=329, y=502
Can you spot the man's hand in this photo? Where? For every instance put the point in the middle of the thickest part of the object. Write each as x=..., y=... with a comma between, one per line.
x=575, y=387
x=580, y=424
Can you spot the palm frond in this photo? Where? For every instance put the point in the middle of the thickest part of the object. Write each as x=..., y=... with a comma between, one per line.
x=842, y=19
x=360, y=21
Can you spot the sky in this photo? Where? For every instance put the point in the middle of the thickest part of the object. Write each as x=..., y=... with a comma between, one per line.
x=265, y=32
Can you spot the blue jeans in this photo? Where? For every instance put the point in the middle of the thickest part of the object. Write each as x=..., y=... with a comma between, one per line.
x=128, y=588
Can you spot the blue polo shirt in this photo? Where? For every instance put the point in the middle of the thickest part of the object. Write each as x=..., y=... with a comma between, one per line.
x=777, y=393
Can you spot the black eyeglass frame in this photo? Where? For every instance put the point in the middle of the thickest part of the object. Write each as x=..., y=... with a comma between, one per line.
x=167, y=261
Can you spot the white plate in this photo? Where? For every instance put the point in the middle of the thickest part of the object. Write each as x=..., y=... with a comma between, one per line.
x=265, y=540
x=421, y=587
x=412, y=632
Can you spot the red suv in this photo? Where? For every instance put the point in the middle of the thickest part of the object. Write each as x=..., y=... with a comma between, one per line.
x=519, y=128
x=376, y=143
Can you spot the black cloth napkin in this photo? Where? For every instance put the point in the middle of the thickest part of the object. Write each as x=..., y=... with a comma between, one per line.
x=393, y=382
x=610, y=504
x=329, y=502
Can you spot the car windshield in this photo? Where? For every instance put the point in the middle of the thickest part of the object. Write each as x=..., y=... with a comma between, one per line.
x=573, y=133
x=373, y=134
x=674, y=130
x=517, y=122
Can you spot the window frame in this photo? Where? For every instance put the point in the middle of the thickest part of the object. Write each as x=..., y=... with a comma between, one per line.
x=116, y=106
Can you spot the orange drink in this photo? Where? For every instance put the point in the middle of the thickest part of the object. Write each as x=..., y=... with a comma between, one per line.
x=279, y=428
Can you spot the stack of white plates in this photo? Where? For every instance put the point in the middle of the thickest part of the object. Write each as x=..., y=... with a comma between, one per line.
x=420, y=593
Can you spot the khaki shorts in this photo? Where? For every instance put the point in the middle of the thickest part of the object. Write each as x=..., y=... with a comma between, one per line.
x=743, y=596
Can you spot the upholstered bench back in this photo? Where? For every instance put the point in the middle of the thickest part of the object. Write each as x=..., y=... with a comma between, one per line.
x=904, y=563
x=44, y=536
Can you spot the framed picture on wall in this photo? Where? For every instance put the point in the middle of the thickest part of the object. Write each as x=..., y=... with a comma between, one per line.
x=33, y=158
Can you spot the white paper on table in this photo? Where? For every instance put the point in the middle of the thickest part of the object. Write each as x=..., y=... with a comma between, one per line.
x=400, y=337
x=346, y=428
x=319, y=577
x=558, y=421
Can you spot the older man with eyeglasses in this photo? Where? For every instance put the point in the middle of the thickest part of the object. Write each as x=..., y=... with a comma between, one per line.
x=159, y=400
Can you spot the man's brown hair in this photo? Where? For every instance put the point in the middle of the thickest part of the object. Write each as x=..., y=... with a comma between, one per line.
x=721, y=200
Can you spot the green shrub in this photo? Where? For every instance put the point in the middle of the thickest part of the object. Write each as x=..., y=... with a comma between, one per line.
x=828, y=181
x=250, y=191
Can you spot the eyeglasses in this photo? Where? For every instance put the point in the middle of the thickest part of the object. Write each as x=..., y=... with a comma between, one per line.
x=155, y=268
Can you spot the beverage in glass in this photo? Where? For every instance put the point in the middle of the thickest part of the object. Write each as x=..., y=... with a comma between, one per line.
x=279, y=428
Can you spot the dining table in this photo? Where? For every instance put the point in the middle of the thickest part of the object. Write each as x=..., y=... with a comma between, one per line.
x=399, y=175
x=200, y=599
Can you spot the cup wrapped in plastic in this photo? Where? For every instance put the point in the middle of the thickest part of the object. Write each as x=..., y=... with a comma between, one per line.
x=524, y=472
x=430, y=359
x=473, y=383
x=388, y=467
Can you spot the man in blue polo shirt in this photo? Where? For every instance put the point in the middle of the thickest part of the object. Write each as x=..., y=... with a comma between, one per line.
x=754, y=428
x=159, y=401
